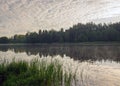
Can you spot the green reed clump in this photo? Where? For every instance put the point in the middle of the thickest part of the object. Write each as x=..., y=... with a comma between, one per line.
x=34, y=73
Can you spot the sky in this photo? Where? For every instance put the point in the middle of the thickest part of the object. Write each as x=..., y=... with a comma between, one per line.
x=21, y=16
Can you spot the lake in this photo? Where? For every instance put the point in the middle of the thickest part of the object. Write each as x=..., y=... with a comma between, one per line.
x=96, y=64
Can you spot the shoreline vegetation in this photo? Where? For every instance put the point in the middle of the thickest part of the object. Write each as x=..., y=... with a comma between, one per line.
x=34, y=73
x=81, y=43
x=79, y=33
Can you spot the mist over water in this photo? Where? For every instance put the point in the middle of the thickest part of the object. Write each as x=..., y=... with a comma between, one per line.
x=75, y=51
x=94, y=65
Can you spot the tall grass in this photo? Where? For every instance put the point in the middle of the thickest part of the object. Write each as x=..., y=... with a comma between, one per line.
x=34, y=73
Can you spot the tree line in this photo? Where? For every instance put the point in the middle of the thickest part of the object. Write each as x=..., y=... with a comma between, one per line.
x=88, y=32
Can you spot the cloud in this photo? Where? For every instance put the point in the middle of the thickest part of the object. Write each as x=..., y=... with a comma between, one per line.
x=21, y=16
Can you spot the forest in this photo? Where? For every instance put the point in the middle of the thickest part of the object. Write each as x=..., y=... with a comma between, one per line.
x=89, y=32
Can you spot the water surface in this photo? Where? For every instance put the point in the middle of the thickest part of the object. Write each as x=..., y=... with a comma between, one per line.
x=96, y=65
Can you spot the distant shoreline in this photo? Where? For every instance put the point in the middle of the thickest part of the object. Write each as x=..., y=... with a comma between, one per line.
x=81, y=43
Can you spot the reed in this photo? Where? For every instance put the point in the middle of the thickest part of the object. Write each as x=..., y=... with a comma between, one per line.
x=34, y=73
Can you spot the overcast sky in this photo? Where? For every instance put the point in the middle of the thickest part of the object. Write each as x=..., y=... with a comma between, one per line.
x=21, y=16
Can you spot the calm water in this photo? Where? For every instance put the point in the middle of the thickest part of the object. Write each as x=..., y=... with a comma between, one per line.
x=99, y=64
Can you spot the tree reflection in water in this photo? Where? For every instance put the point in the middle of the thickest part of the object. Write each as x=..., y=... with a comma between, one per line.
x=75, y=51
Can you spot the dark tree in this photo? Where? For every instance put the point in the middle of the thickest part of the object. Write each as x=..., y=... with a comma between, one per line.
x=89, y=32
x=4, y=40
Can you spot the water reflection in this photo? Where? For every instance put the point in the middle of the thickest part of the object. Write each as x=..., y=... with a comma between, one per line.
x=99, y=65
x=77, y=52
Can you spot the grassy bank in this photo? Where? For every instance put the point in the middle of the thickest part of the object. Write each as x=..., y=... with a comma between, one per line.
x=34, y=73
